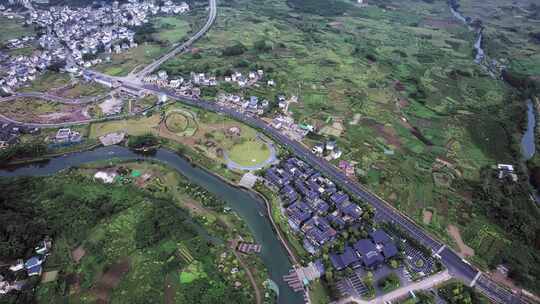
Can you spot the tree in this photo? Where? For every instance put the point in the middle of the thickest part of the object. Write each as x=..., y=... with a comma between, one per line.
x=235, y=50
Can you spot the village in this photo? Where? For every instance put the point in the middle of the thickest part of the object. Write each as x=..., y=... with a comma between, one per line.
x=16, y=275
x=72, y=38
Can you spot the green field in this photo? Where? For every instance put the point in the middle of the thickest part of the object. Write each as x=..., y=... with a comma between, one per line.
x=13, y=28
x=171, y=29
x=249, y=153
x=406, y=69
x=139, y=126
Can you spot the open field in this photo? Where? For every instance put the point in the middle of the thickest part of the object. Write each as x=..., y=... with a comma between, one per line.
x=138, y=126
x=249, y=153
x=47, y=81
x=42, y=111
x=400, y=77
x=13, y=28
x=171, y=29
x=123, y=63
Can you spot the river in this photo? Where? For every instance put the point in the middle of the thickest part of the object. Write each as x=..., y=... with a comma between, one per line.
x=246, y=204
x=528, y=144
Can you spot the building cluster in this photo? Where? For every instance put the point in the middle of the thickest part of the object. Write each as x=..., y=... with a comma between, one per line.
x=251, y=79
x=67, y=136
x=329, y=150
x=286, y=125
x=31, y=267
x=76, y=36
x=252, y=105
x=319, y=212
x=10, y=133
x=179, y=85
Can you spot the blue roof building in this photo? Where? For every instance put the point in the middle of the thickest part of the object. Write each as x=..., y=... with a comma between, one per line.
x=379, y=236
x=298, y=213
x=288, y=195
x=351, y=211
x=339, y=198
x=369, y=254
x=344, y=260
x=318, y=231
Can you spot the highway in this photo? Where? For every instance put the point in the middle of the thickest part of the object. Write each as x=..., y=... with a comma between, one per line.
x=384, y=211
x=456, y=265
x=149, y=69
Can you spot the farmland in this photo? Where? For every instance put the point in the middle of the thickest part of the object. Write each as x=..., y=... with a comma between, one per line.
x=418, y=116
x=113, y=252
x=13, y=28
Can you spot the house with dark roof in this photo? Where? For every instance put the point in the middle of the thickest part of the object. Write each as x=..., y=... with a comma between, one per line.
x=339, y=198
x=317, y=232
x=336, y=220
x=318, y=206
x=288, y=195
x=297, y=214
x=351, y=212
x=379, y=236
x=33, y=266
x=384, y=243
x=369, y=255
x=348, y=258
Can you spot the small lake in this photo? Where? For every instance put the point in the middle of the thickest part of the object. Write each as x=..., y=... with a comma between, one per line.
x=528, y=144
x=246, y=204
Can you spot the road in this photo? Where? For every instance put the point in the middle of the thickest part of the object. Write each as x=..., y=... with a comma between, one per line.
x=149, y=69
x=384, y=211
x=402, y=292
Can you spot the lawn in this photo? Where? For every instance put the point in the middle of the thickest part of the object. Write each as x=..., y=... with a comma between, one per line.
x=249, y=153
x=192, y=272
x=137, y=126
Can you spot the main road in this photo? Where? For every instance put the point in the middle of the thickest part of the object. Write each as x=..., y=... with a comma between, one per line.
x=149, y=69
x=457, y=266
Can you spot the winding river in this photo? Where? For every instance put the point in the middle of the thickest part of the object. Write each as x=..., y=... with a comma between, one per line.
x=246, y=204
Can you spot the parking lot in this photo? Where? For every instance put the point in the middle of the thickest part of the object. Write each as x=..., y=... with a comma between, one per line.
x=417, y=261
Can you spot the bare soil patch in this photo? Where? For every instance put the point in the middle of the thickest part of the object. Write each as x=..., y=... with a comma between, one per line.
x=464, y=250
x=78, y=254
x=110, y=280
x=426, y=217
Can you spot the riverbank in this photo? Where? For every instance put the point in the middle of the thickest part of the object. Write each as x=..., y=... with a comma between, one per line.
x=242, y=202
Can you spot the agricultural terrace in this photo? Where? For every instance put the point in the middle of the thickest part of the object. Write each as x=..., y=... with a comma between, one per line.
x=108, y=232
x=394, y=82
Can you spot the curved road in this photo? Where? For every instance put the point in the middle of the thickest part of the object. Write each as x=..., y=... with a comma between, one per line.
x=180, y=48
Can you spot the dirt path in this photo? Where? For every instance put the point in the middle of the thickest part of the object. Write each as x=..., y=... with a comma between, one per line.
x=464, y=250
x=169, y=291
x=258, y=296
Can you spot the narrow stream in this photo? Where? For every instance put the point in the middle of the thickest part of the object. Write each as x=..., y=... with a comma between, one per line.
x=246, y=204
x=528, y=144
